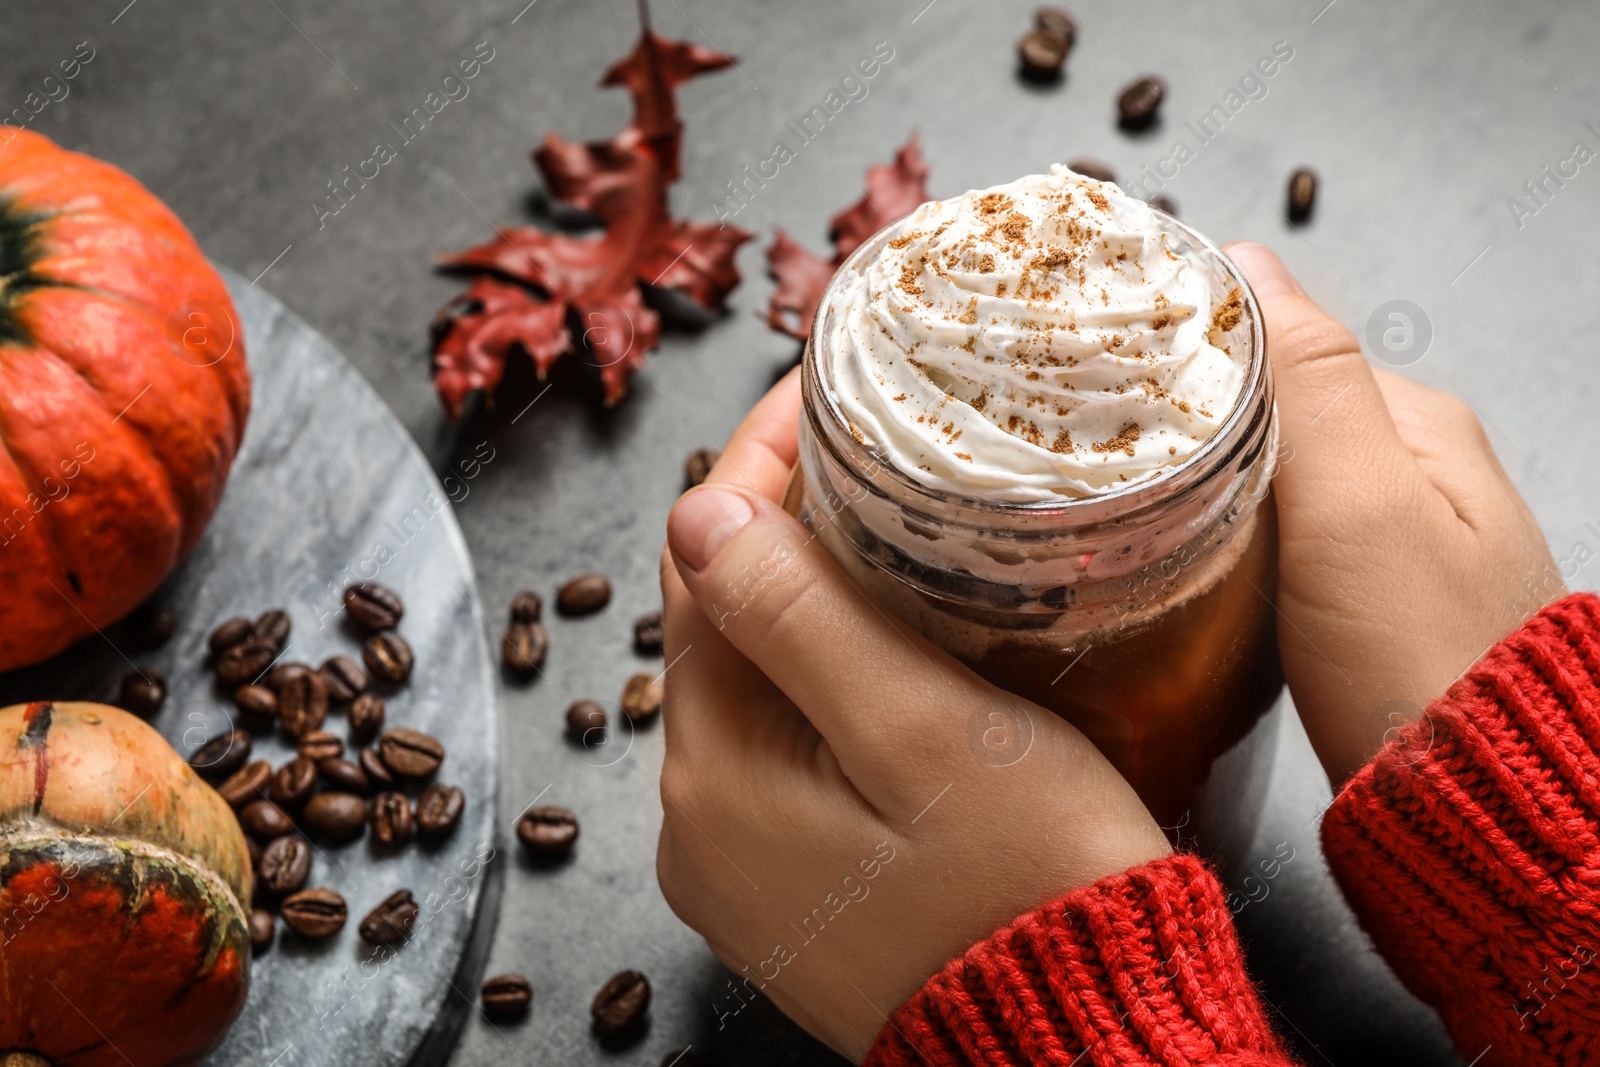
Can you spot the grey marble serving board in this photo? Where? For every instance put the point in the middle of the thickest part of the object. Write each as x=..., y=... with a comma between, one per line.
x=326, y=486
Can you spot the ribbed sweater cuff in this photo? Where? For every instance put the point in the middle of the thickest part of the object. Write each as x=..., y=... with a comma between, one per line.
x=1144, y=967
x=1468, y=847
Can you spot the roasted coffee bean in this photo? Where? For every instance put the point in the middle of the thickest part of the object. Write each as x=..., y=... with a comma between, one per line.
x=390, y=922
x=314, y=912
x=234, y=631
x=584, y=595
x=246, y=784
x=149, y=627
x=265, y=820
x=410, y=753
x=647, y=635
x=222, y=755
x=365, y=717
x=273, y=628
x=438, y=810
x=391, y=819
x=388, y=656
x=621, y=1004
x=319, y=745
x=339, y=817
x=1041, y=54
x=374, y=606
x=548, y=830
x=258, y=705
x=344, y=776
x=1302, y=194
x=262, y=928
x=586, y=722
x=372, y=765
x=243, y=663
x=524, y=646
x=697, y=467
x=293, y=783
x=527, y=606
x=1140, y=103
x=1164, y=203
x=303, y=704
x=283, y=673
x=344, y=678
x=143, y=692
x=1091, y=168
x=506, y=996
x=641, y=696
x=1057, y=21
x=285, y=865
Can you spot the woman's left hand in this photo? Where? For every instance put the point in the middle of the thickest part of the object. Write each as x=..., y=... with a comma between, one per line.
x=846, y=807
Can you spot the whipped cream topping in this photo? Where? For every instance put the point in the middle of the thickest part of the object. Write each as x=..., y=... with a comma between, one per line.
x=1032, y=341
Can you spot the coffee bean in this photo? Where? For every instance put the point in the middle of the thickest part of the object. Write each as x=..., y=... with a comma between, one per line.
x=641, y=696
x=438, y=810
x=149, y=627
x=339, y=817
x=584, y=595
x=1164, y=203
x=548, y=831
x=234, y=631
x=285, y=865
x=222, y=755
x=244, y=662
x=344, y=678
x=1302, y=194
x=258, y=705
x=143, y=692
x=506, y=996
x=1140, y=103
x=293, y=783
x=272, y=628
x=1091, y=168
x=366, y=717
x=586, y=723
x=697, y=467
x=647, y=635
x=253, y=847
x=388, y=656
x=303, y=704
x=246, y=784
x=344, y=776
x=1057, y=21
x=378, y=775
x=374, y=606
x=283, y=673
x=391, y=819
x=390, y=922
x=621, y=1004
x=319, y=745
x=262, y=928
x=265, y=820
x=314, y=912
x=1042, y=53
x=527, y=606
x=410, y=753
x=524, y=646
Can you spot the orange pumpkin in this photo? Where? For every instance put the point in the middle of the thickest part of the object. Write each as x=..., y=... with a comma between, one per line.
x=123, y=882
x=123, y=395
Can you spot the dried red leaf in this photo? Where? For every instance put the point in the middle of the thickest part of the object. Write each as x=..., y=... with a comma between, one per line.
x=622, y=182
x=894, y=190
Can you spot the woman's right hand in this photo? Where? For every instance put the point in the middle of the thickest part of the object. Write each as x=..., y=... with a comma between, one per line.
x=1405, y=551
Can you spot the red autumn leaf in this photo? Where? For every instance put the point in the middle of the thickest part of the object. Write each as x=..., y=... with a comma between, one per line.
x=894, y=190
x=596, y=280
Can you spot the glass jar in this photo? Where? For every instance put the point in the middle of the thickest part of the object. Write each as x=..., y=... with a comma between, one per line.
x=1143, y=616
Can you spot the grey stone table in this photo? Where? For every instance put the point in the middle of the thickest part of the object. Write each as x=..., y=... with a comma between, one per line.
x=1425, y=120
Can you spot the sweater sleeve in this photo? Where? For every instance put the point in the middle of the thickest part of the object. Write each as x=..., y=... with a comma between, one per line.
x=1469, y=847
x=1144, y=968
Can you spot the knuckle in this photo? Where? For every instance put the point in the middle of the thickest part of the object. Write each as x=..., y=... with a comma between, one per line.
x=1319, y=341
x=756, y=590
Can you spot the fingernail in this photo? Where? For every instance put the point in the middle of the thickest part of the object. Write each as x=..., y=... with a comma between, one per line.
x=703, y=521
x=1263, y=269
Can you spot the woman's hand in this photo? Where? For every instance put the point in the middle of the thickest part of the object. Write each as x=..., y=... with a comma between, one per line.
x=1405, y=551
x=847, y=808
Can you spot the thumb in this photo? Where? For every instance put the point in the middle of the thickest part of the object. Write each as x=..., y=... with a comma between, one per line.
x=1335, y=426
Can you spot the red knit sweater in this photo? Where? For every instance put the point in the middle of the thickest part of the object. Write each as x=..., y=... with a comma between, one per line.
x=1469, y=849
